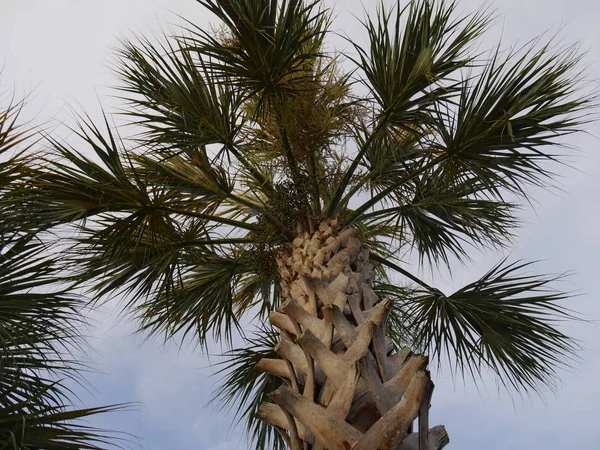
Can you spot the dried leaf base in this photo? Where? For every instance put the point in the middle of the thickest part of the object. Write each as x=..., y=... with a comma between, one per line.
x=345, y=387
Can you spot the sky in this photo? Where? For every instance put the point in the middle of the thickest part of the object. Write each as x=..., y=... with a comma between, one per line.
x=60, y=52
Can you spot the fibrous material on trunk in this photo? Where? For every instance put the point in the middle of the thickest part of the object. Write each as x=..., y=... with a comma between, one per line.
x=345, y=386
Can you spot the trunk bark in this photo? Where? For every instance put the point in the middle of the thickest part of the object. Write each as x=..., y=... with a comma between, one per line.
x=345, y=388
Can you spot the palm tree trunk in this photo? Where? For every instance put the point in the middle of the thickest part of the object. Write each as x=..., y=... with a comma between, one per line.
x=345, y=387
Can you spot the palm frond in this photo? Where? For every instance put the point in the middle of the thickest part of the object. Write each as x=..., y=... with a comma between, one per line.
x=173, y=278
x=507, y=321
x=389, y=155
x=508, y=120
x=128, y=254
x=502, y=125
x=193, y=180
x=69, y=186
x=409, y=70
x=147, y=227
x=244, y=388
x=182, y=106
x=175, y=99
x=126, y=209
x=199, y=300
x=12, y=136
x=268, y=47
x=440, y=218
x=39, y=327
x=40, y=324
x=54, y=428
x=36, y=327
x=15, y=139
x=405, y=67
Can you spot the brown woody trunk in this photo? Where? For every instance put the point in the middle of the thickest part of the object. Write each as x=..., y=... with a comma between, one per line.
x=345, y=387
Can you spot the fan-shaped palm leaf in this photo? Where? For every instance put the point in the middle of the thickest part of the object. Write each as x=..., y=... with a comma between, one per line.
x=40, y=326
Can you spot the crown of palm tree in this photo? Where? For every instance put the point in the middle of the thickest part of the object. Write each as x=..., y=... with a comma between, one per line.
x=245, y=132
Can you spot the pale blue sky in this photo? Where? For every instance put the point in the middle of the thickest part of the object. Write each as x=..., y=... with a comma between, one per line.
x=61, y=51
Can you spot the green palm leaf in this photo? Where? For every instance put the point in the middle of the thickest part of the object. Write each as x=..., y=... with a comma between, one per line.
x=12, y=136
x=412, y=51
x=408, y=70
x=53, y=428
x=442, y=218
x=175, y=98
x=244, y=389
x=508, y=119
x=40, y=326
x=505, y=321
x=269, y=45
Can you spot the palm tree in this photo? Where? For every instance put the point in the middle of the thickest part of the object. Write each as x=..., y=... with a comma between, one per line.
x=39, y=328
x=261, y=175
